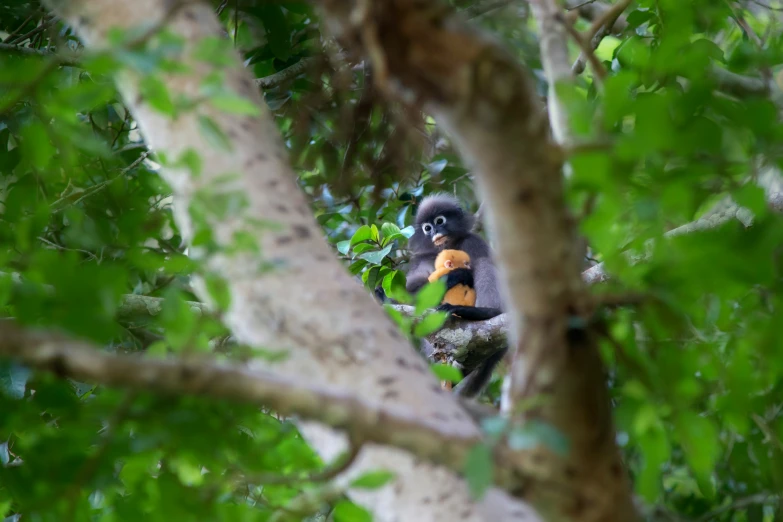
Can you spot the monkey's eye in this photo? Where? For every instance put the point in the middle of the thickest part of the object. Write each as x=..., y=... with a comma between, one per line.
x=440, y=220
x=427, y=228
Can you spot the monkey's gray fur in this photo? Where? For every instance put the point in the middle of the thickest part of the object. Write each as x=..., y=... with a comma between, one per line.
x=441, y=217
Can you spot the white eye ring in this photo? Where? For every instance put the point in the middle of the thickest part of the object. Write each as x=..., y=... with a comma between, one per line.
x=440, y=220
x=427, y=228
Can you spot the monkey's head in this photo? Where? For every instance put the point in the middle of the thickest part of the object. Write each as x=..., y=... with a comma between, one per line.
x=440, y=221
x=452, y=259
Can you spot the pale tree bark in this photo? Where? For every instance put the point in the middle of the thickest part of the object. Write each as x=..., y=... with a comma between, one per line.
x=486, y=101
x=336, y=337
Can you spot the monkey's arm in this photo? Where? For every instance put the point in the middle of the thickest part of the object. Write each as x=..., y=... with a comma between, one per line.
x=419, y=271
x=459, y=276
x=437, y=274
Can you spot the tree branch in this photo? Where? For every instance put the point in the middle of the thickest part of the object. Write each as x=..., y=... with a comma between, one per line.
x=289, y=73
x=429, y=439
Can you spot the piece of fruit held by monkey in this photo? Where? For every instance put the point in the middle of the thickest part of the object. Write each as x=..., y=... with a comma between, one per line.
x=455, y=262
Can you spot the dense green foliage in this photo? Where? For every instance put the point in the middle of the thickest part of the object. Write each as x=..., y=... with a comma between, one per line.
x=696, y=370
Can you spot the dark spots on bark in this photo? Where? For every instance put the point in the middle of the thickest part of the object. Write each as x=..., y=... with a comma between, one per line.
x=426, y=500
x=440, y=416
x=247, y=125
x=402, y=363
x=301, y=231
x=247, y=84
x=538, y=458
x=466, y=514
x=437, y=389
x=391, y=394
x=419, y=368
x=570, y=472
x=524, y=196
x=459, y=415
x=232, y=134
x=186, y=373
x=321, y=257
x=284, y=240
x=579, y=506
x=304, y=211
x=139, y=99
x=385, y=381
x=190, y=15
x=395, y=333
x=397, y=487
x=272, y=183
x=518, y=515
x=443, y=497
x=282, y=209
x=260, y=157
x=616, y=470
x=84, y=21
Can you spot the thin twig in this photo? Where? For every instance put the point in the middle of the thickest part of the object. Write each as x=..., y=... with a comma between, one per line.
x=38, y=29
x=15, y=32
x=587, y=50
x=599, y=29
x=580, y=5
x=287, y=74
x=61, y=59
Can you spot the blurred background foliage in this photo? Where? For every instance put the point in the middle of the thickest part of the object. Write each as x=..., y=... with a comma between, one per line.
x=695, y=370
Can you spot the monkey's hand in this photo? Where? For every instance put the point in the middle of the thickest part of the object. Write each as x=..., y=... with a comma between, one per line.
x=460, y=276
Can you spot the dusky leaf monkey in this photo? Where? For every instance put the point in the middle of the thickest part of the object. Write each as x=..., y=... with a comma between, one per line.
x=442, y=223
x=448, y=261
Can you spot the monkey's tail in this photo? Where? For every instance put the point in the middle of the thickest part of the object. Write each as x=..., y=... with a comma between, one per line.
x=475, y=382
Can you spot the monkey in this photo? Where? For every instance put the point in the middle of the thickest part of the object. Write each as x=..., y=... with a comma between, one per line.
x=442, y=223
x=462, y=294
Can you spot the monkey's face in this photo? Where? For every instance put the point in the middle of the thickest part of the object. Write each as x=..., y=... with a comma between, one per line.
x=437, y=230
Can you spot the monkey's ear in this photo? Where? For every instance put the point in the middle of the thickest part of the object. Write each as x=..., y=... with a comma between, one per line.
x=448, y=263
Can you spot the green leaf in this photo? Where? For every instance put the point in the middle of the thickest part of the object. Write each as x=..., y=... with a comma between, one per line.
x=214, y=135
x=363, y=233
x=346, y=511
x=13, y=379
x=156, y=93
x=445, y=372
x=373, y=479
x=37, y=149
x=430, y=296
x=277, y=31
x=344, y=246
x=699, y=438
x=394, y=287
x=408, y=231
x=387, y=229
x=479, y=469
x=375, y=258
x=534, y=433
x=430, y=324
